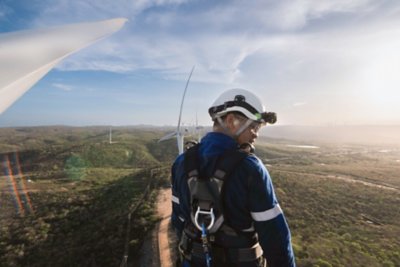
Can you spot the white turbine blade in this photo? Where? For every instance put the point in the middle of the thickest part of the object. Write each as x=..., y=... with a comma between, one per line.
x=179, y=140
x=26, y=56
x=168, y=136
x=183, y=99
x=9, y=94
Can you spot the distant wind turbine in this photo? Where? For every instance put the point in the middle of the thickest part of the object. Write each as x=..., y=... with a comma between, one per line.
x=26, y=56
x=111, y=136
x=178, y=133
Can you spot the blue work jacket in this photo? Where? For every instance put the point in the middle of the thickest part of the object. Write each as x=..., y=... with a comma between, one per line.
x=249, y=199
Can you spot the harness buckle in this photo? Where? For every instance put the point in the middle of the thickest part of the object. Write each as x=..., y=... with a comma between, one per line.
x=204, y=212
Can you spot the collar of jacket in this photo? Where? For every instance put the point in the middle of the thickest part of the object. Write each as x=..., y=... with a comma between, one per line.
x=216, y=143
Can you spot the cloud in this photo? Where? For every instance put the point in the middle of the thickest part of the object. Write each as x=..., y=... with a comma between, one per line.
x=269, y=16
x=218, y=38
x=63, y=87
x=54, y=11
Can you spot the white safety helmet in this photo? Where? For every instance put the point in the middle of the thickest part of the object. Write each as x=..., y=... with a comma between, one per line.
x=243, y=101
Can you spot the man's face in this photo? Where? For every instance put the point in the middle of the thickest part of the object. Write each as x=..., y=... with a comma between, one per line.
x=250, y=134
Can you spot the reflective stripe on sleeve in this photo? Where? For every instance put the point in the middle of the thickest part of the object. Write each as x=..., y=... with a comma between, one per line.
x=251, y=229
x=267, y=214
x=175, y=199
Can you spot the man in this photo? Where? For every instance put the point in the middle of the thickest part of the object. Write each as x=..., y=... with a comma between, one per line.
x=250, y=214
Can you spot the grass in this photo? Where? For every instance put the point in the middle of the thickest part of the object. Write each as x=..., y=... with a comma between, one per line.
x=336, y=222
x=82, y=225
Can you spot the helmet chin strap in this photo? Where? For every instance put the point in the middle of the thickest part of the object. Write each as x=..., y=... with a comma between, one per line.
x=223, y=125
x=243, y=127
x=236, y=134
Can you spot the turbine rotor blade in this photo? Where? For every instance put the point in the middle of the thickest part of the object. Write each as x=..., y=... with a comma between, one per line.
x=168, y=136
x=26, y=56
x=183, y=99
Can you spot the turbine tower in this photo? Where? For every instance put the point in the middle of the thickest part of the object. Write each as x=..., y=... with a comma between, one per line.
x=198, y=129
x=178, y=133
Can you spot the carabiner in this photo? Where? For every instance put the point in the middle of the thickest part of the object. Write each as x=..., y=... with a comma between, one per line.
x=204, y=212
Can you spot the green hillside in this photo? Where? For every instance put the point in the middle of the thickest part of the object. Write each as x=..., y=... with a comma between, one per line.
x=82, y=189
x=342, y=201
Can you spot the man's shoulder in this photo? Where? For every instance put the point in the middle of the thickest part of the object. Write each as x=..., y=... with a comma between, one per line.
x=253, y=165
x=252, y=160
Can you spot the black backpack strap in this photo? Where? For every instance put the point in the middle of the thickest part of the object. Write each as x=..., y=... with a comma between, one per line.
x=191, y=161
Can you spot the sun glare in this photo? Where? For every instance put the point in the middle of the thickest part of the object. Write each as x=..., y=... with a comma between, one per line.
x=379, y=82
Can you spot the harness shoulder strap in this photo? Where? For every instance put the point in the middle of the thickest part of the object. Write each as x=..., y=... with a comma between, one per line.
x=191, y=161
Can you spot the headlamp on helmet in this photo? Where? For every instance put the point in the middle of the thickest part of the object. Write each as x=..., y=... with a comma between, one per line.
x=269, y=117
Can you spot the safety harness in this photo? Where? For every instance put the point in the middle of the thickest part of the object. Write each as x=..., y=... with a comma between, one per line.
x=203, y=233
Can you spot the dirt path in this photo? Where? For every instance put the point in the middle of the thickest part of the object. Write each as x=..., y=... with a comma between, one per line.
x=156, y=248
x=164, y=211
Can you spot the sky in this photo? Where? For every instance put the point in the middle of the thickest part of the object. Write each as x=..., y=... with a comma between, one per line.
x=313, y=62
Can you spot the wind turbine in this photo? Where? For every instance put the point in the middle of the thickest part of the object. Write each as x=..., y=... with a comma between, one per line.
x=26, y=56
x=111, y=135
x=178, y=133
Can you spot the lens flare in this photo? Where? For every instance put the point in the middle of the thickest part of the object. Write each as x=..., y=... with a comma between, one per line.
x=22, y=185
x=13, y=186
